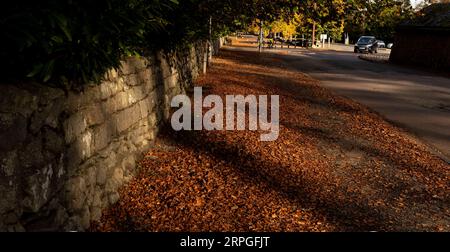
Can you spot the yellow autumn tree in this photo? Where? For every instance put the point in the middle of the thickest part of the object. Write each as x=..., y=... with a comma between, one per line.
x=287, y=27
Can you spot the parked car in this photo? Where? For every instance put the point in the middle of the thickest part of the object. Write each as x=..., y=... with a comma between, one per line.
x=300, y=42
x=390, y=45
x=295, y=42
x=366, y=44
x=381, y=44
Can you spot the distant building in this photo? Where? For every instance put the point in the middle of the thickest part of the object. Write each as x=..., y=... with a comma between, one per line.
x=425, y=41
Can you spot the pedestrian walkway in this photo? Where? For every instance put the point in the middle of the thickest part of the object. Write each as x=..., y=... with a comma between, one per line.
x=336, y=166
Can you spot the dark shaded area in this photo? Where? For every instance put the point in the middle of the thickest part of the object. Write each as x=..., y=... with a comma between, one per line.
x=425, y=41
x=347, y=215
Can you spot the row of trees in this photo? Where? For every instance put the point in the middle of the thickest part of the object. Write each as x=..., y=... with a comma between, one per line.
x=377, y=17
x=69, y=43
x=338, y=17
x=66, y=41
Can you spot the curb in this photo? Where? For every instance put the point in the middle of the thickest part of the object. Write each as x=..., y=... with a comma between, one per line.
x=375, y=58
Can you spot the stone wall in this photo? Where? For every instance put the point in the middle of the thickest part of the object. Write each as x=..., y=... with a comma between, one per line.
x=63, y=156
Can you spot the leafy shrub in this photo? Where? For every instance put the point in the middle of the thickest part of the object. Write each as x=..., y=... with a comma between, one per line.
x=69, y=43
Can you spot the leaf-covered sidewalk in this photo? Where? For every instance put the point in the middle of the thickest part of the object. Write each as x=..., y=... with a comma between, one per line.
x=336, y=166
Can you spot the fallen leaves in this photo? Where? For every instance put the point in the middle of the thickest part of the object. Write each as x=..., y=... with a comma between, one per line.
x=335, y=167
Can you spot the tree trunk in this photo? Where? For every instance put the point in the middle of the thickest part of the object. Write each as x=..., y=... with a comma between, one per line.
x=210, y=49
x=314, y=34
x=261, y=35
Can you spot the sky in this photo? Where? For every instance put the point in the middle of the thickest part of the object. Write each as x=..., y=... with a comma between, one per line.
x=414, y=3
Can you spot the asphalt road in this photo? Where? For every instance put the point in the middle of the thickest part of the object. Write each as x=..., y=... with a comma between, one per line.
x=414, y=99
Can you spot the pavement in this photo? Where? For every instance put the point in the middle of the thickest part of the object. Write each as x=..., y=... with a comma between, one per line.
x=416, y=100
x=335, y=166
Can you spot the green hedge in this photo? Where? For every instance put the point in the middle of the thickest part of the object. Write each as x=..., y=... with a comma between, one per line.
x=69, y=43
